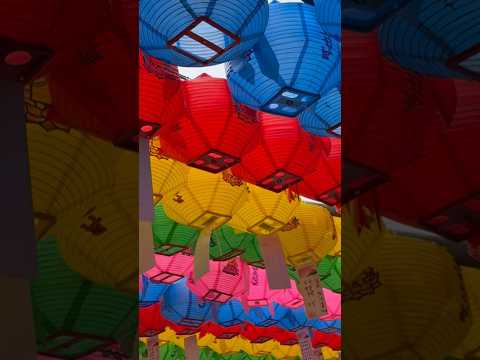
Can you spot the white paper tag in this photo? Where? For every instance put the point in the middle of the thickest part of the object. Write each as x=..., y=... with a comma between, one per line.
x=272, y=253
x=152, y=345
x=311, y=289
x=202, y=254
x=191, y=348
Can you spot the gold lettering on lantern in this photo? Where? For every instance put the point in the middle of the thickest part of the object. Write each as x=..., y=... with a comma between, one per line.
x=291, y=225
x=367, y=283
x=178, y=198
x=95, y=227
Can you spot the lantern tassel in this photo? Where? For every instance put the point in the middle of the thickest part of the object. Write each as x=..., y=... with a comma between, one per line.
x=272, y=253
x=202, y=254
x=145, y=209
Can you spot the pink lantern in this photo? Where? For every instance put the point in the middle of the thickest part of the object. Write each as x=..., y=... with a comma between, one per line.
x=224, y=280
x=260, y=294
x=334, y=305
x=170, y=269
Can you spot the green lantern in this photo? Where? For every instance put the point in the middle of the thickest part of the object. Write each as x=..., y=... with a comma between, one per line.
x=73, y=316
x=226, y=243
x=252, y=255
x=169, y=236
x=330, y=271
x=170, y=351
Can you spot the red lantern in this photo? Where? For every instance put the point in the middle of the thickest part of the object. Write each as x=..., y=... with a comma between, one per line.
x=94, y=92
x=220, y=332
x=324, y=184
x=258, y=334
x=33, y=34
x=333, y=341
x=158, y=84
x=283, y=156
x=150, y=321
x=212, y=132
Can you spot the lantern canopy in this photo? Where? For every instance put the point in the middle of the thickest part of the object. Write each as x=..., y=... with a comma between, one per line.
x=171, y=237
x=183, y=307
x=170, y=269
x=230, y=313
x=212, y=132
x=294, y=64
x=310, y=237
x=205, y=200
x=199, y=33
x=324, y=183
x=366, y=16
x=265, y=212
x=224, y=280
x=284, y=155
x=324, y=117
x=430, y=38
x=329, y=15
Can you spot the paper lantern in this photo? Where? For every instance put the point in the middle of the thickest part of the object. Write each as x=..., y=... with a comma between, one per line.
x=252, y=255
x=28, y=44
x=67, y=177
x=230, y=314
x=471, y=276
x=205, y=200
x=327, y=341
x=265, y=212
x=289, y=298
x=310, y=237
x=324, y=117
x=211, y=133
x=261, y=316
x=329, y=15
x=259, y=292
x=434, y=321
x=464, y=109
x=290, y=319
x=199, y=33
x=224, y=280
x=257, y=334
x=221, y=332
x=66, y=308
x=170, y=269
x=101, y=106
x=294, y=64
x=334, y=305
x=366, y=16
x=283, y=156
x=326, y=326
x=150, y=321
x=430, y=38
x=226, y=243
x=98, y=237
x=324, y=183
x=330, y=271
x=171, y=237
x=337, y=249
x=183, y=307
x=158, y=83
x=150, y=292
x=169, y=351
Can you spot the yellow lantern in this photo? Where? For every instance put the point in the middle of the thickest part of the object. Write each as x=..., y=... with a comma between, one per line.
x=470, y=346
x=99, y=238
x=167, y=174
x=404, y=293
x=310, y=236
x=265, y=212
x=337, y=249
x=329, y=354
x=66, y=169
x=221, y=346
x=286, y=351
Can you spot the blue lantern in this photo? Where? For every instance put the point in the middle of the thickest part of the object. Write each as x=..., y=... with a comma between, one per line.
x=151, y=292
x=262, y=316
x=294, y=64
x=290, y=319
x=440, y=38
x=366, y=15
x=329, y=15
x=324, y=117
x=183, y=307
x=331, y=326
x=230, y=313
x=200, y=32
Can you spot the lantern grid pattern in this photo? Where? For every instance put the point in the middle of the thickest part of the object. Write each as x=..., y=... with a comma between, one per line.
x=329, y=15
x=170, y=269
x=227, y=243
x=284, y=154
x=292, y=65
x=209, y=134
x=230, y=314
x=193, y=33
x=432, y=38
x=150, y=292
